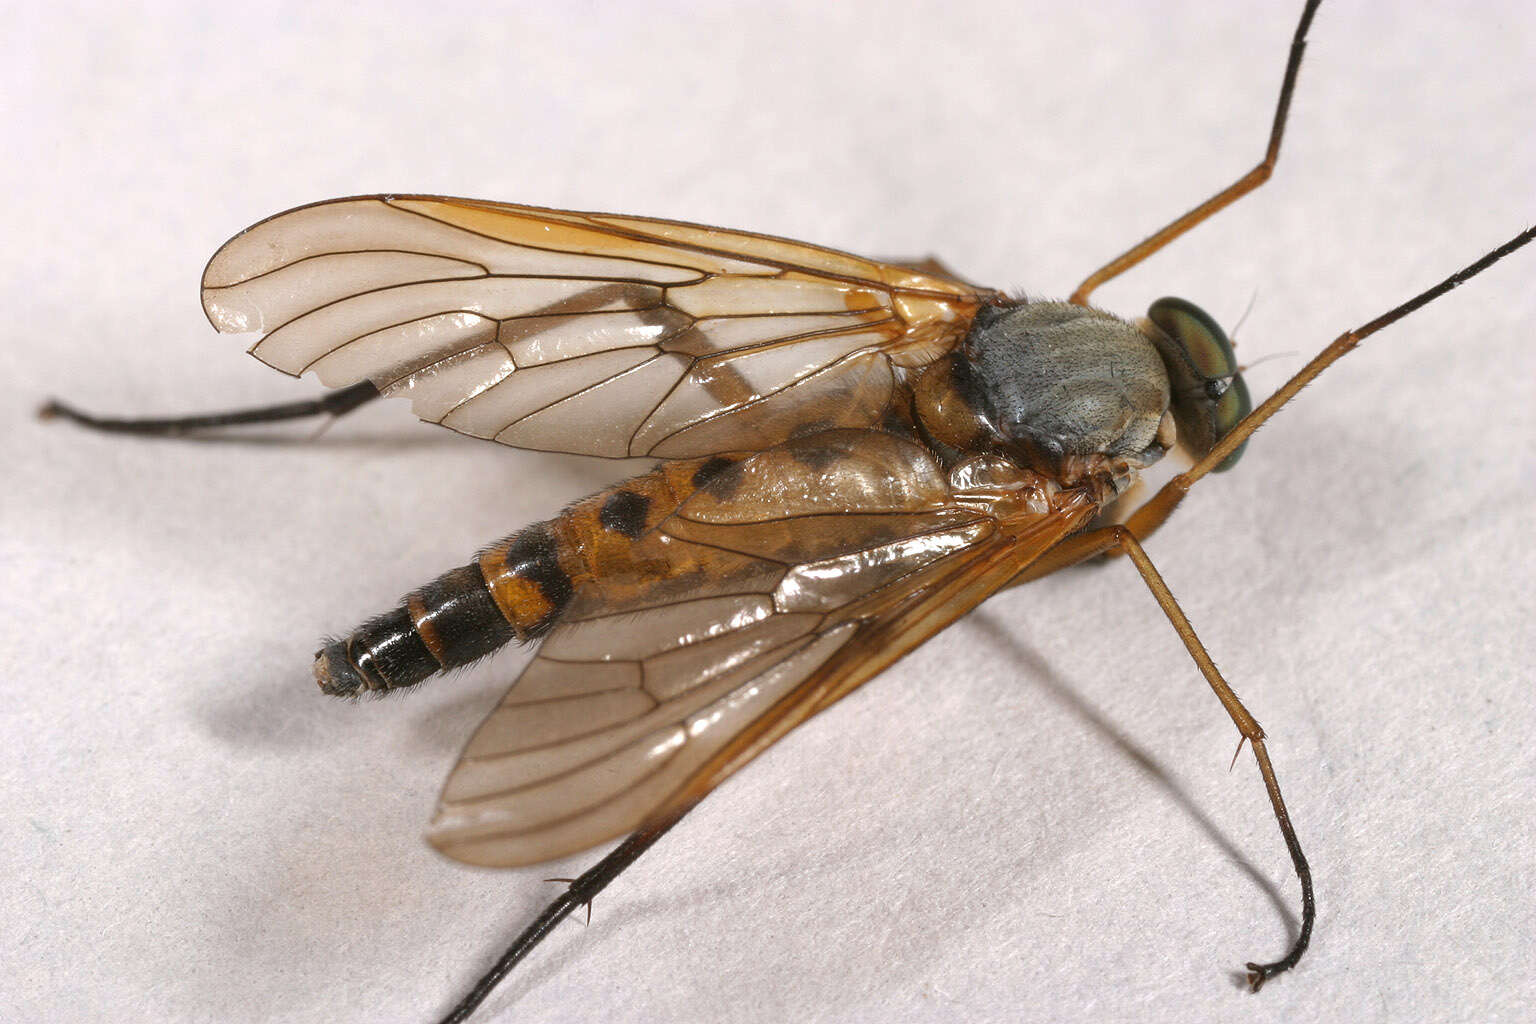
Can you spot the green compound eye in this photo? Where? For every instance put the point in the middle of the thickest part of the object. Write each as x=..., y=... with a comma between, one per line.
x=1208, y=394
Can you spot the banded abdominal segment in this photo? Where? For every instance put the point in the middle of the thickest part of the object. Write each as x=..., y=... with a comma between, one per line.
x=452, y=621
x=593, y=554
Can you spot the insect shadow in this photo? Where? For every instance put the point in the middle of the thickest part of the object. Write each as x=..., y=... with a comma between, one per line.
x=1040, y=671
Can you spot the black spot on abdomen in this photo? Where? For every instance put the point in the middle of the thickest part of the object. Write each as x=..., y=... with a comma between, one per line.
x=534, y=555
x=624, y=513
x=711, y=469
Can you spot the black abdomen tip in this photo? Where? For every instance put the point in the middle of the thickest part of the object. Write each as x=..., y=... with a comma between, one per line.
x=450, y=622
x=384, y=653
x=335, y=673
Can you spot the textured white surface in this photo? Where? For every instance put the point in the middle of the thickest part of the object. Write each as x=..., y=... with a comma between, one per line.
x=1031, y=818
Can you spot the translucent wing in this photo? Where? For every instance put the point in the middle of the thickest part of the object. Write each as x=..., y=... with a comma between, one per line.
x=835, y=560
x=582, y=332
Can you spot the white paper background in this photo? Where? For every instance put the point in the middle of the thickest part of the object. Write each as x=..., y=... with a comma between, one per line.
x=1029, y=819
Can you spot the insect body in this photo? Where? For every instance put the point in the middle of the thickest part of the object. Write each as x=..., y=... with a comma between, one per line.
x=952, y=436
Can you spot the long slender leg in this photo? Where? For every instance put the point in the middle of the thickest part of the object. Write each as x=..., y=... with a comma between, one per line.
x=1121, y=540
x=334, y=403
x=1227, y=196
x=1161, y=505
x=580, y=893
x=1115, y=540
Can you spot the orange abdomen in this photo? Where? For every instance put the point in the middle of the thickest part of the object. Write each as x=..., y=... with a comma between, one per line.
x=518, y=588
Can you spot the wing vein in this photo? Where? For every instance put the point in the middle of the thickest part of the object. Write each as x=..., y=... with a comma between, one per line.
x=783, y=652
x=484, y=270
x=702, y=274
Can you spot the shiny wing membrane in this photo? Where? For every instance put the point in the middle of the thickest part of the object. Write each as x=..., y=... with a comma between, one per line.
x=582, y=332
x=839, y=553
